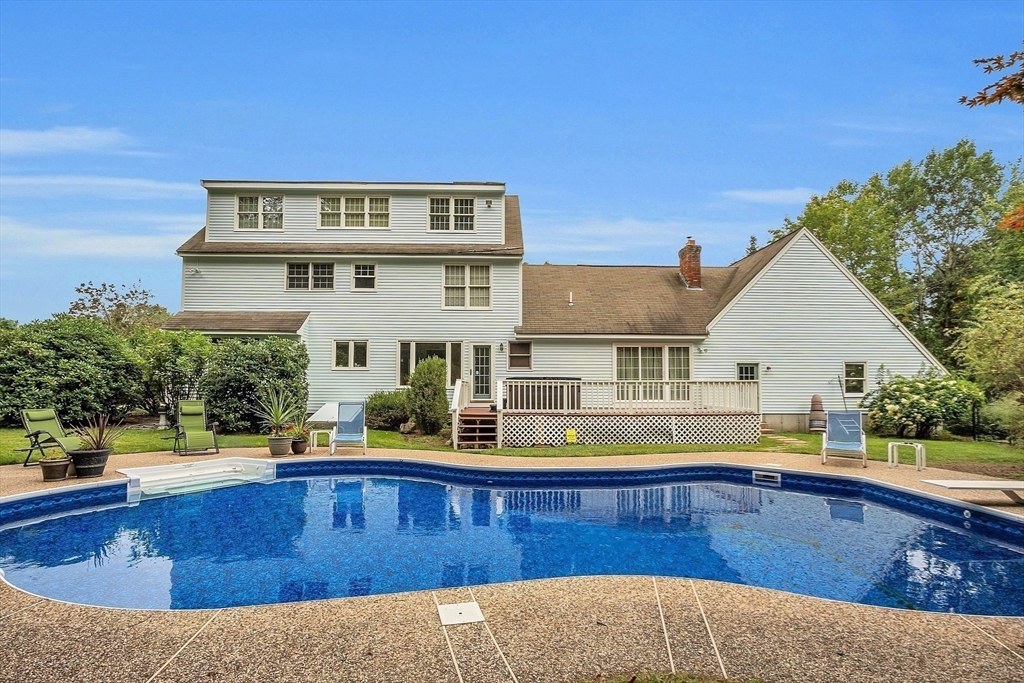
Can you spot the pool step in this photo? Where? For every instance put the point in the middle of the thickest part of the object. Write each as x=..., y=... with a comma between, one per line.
x=478, y=427
x=170, y=480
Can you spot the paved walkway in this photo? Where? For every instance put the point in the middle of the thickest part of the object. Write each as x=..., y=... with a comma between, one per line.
x=544, y=631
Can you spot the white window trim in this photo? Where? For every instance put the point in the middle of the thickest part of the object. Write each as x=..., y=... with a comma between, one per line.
x=508, y=355
x=412, y=357
x=451, y=213
x=842, y=375
x=366, y=212
x=467, y=307
x=351, y=354
x=352, y=271
x=284, y=201
x=664, y=361
x=310, y=276
x=757, y=370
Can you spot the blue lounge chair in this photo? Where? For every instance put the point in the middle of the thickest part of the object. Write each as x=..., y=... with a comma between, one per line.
x=351, y=427
x=844, y=436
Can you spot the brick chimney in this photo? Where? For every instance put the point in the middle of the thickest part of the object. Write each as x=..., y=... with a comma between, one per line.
x=689, y=264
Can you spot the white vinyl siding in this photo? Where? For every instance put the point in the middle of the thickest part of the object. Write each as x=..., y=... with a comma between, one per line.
x=406, y=307
x=407, y=218
x=803, y=320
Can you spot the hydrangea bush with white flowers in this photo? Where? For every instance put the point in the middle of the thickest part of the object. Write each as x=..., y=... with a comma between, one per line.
x=915, y=406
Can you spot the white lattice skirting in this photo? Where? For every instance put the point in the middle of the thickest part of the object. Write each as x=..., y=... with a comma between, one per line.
x=521, y=430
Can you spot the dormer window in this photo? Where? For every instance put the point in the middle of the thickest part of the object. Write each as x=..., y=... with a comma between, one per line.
x=355, y=212
x=448, y=213
x=260, y=212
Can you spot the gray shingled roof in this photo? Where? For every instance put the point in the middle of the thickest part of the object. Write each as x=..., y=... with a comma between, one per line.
x=640, y=300
x=513, y=245
x=271, y=322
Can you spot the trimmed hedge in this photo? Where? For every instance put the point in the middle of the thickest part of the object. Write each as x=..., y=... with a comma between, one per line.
x=240, y=371
x=387, y=410
x=77, y=365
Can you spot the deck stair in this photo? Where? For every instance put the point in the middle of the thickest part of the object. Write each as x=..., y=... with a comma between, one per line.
x=478, y=427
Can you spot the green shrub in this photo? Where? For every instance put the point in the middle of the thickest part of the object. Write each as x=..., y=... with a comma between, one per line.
x=241, y=370
x=387, y=410
x=172, y=366
x=1006, y=414
x=914, y=406
x=77, y=365
x=428, y=398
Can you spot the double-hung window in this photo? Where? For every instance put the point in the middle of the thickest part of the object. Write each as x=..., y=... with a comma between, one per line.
x=855, y=377
x=452, y=213
x=351, y=355
x=641, y=372
x=467, y=286
x=310, y=276
x=410, y=353
x=364, y=277
x=259, y=212
x=355, y=212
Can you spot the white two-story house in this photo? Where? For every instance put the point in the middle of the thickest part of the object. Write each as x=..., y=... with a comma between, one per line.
x=374, y=277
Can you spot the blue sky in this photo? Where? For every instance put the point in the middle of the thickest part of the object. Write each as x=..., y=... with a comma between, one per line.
x=623, y=127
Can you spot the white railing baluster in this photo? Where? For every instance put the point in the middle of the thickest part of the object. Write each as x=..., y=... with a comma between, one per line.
x=575, y=396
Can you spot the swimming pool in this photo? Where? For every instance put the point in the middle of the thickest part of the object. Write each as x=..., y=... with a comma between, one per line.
x=326, y=529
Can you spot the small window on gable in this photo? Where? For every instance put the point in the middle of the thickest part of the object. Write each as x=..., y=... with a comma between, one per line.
x=351, y=355
x=259, y=212
x=520, y=355
x=855, y=377
x=746, y=372
x=364, y=277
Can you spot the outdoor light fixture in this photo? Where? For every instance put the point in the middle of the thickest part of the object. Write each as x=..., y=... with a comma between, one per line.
x=488, y=203
x=501, y=347
x=193, y=271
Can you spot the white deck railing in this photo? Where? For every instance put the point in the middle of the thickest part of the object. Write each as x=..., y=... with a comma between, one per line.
x=559, y=396
x=461, y=396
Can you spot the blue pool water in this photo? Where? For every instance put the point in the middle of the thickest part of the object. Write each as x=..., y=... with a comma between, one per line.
x=325, y=537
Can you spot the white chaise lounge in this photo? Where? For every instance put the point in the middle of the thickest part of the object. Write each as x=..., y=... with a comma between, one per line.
x=1009, y=487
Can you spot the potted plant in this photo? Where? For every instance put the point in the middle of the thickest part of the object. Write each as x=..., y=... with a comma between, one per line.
x=54, y=465
x=97, y=437
x=277, y=409
x=300, y=436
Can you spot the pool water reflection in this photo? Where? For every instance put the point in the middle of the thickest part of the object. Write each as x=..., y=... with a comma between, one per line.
x=308, y=539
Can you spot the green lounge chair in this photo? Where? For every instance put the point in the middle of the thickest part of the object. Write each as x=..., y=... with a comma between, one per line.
x=191, y=435
x=44, y=430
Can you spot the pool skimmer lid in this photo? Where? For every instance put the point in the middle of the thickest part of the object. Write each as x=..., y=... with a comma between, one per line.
x=459, y=613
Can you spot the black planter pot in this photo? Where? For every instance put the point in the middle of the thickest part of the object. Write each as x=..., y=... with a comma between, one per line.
x=299, y=446
x=90, y=464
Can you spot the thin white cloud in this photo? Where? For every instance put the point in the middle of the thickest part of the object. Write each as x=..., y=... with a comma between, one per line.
x=64, y=139
x=797, y=195
x=97, y=186
x=613, y=241
x=28, y=239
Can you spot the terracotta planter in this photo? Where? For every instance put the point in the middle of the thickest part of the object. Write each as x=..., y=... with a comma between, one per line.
x=299, y=446
x=90, y=464
x=279, y=445
x=55, y=470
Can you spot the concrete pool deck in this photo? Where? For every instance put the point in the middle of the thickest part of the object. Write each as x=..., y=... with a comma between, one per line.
x=550, y=630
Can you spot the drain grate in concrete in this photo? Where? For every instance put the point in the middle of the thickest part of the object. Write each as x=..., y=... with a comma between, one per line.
x=459, y=613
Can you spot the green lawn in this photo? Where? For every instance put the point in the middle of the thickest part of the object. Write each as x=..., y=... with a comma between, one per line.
x=939, y=452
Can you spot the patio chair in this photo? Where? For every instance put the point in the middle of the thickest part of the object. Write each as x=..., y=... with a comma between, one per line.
x=44, y=430
x=191, y=436
x=844, y=436
x=351, y=427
